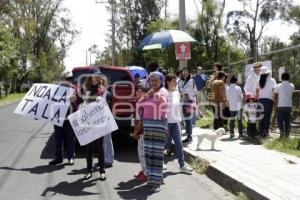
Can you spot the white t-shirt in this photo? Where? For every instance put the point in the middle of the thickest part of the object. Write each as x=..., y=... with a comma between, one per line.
x=267, y=91
x=250, y=85
x=188, y=88
x=251, y=109
x=174, y=107
x=285, y=92
x=234, y=95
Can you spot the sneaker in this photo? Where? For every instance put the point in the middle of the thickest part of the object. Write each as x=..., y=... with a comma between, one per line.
x=142, y=178
x=187, y=141
x=138, y=174
x=55, y=162
x=71, y=161
x=186, y=169
x=165, y=167
x=88, y=176
x=102, y=177
x=154, y=189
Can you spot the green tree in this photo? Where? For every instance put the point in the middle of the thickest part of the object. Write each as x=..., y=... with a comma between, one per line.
x=246, y=26
x=209, y=27
x=8, y=54
x=45, y=33
x=133, y=18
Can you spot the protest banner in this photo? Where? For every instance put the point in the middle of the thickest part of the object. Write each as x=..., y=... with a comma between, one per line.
x=46, y=102
x=92, y=121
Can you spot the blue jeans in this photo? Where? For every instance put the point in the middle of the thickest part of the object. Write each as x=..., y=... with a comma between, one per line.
x=64, y=137
x=284, y=120
x=233, y=116
x=188, y=120
x=174, y=133
x=108, y=149
x=264, y=124
x=189, y=128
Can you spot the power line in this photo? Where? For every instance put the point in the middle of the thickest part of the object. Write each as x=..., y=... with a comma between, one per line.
x=268, y=53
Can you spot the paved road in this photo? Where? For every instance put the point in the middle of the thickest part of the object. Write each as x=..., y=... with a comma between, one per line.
x=26, y=146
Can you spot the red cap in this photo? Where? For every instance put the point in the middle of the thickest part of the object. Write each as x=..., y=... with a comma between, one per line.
x=250, y=97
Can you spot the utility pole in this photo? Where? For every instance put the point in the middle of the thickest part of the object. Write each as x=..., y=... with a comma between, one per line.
x=113, y=6
x=86, y=57
x=182, y=27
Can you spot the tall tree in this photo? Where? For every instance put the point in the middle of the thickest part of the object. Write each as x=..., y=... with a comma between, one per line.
x=209, y=27
x=246, y=26
x=133, y=18
x=45, y=33
x=8, y=53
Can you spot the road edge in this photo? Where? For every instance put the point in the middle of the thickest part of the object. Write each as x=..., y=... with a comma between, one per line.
x=226, y=181
x=9, y=103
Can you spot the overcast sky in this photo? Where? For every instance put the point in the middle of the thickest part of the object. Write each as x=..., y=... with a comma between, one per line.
x=91, y=20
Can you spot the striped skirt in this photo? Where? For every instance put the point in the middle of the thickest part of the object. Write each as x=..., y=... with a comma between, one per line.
x=154, y=143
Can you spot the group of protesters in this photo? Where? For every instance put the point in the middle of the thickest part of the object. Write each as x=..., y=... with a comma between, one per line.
x=166, y=102
x=260, y=95
x=94, y=87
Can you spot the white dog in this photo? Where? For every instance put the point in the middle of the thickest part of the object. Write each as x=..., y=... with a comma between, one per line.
x=212, y=136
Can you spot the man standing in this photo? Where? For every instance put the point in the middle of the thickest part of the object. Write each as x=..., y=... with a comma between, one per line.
x=200, y=80
x=284, y=103
x=250, y=85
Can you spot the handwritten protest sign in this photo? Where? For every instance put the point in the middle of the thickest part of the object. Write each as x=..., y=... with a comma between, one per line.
x=46, y=102
x=92, y=121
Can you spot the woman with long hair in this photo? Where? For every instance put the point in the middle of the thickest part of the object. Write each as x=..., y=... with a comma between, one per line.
x=174, y=119
x=265, y=94
x=154, y=116
x=93, y=89
x=188, y=91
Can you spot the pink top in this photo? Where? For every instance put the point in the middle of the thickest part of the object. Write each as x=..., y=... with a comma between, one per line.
x=153, y=108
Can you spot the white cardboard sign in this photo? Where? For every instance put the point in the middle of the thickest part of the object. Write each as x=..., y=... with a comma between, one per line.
x=46, y=102
x=92, y=121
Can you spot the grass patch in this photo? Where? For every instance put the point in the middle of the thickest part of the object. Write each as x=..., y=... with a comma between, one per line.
x=200, y=165
x=206, y=121
x=289, y=146
x=242, y=196
x=11, y=98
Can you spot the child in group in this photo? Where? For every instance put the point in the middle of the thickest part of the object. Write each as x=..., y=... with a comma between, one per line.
x=251, y=113
x=283, y=102
x=235, y=97
x=138, y=135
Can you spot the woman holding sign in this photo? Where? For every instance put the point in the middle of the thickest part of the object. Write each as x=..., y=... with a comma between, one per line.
x=154, y=116
x=93, y=89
